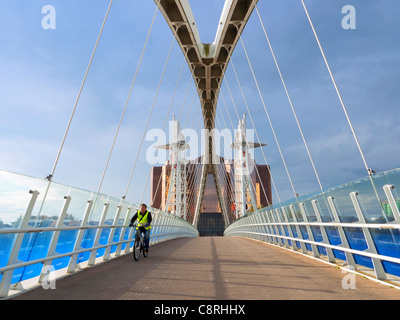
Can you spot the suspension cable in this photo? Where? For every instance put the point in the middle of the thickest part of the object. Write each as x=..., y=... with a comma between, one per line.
x=127, y=99
x=148, y=120
x=190, y=110
x=248, y=110
x=50, y=176
x=184, y=100
x=166, y=119
x=269, y=119
x=226, y=108
x=369, y=170
x=289, y=98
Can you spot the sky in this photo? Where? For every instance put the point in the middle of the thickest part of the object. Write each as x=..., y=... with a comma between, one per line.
x=41, y=71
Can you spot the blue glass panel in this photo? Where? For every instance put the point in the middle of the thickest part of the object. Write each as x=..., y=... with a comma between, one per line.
x=392, y=268
x=387, y=243
x=87, y=242
x=103, y=240
x=286, y=231
x=316, y=230
x=356, y=240
x=6, y=241
x=117, y=234
x=317, y=233
x=322, y=250
x=334, y=239
x=304, y=232
x=293, y=228
x=294, y=231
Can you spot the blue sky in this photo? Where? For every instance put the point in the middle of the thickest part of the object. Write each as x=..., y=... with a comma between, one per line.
x=42, y=70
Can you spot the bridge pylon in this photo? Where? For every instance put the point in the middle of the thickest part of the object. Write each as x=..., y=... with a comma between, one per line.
x=243, y=166
x=176, y=198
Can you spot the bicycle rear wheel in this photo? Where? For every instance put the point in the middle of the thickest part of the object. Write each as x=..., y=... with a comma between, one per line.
x=136, y=250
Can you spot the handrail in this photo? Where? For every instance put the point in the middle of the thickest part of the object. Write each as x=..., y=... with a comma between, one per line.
x=69, y=254
x=48, y=229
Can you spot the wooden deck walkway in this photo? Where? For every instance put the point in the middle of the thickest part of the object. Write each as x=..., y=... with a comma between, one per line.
x=213, y=268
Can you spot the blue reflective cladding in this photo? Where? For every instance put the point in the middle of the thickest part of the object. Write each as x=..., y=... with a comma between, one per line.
x=387, y=243
x=36, y=246
x=334, y=239
x=355, y=238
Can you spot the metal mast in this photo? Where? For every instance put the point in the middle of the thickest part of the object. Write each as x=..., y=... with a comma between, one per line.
x=176, y=199
x=243, y=166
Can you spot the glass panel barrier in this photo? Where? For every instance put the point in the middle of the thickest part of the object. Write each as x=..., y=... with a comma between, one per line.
x=355, y=215
x=56, y=225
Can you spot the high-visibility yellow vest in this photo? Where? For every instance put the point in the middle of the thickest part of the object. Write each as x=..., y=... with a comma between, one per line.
x=142, y=220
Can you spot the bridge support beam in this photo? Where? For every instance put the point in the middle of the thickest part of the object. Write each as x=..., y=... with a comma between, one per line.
x=207, y=61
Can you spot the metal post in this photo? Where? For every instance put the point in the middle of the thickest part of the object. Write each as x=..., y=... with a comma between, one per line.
x=349, y=256
x=74, y=259
x=271, y=228
x=16, y=246
x=55, y=237
x=282, y=228
x=130, y=236
x=379, y=270
x=387, y=188
x=299, y=234
x=310, y=234
x=126, y=221
x=266, y=228
x=259, y=225
x=276, y=228
x=285, y=216
x=106, y=255
x=154, y=229
x=329, y=252
x=92, y=257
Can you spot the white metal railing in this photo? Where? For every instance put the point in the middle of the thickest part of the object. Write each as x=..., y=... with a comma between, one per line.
x=358, y=222
x=67, y=233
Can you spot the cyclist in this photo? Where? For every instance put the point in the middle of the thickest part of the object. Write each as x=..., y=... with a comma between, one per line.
x=144, y=220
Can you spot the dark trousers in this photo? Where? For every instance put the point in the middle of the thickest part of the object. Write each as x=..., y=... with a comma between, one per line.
x=146, y=236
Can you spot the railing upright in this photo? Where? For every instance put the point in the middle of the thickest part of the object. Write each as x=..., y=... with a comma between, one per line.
x=16, y=246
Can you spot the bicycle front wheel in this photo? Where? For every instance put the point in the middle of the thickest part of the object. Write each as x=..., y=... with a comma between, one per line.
x=136, y=250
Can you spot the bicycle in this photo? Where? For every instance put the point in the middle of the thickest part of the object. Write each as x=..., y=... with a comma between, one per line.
x=138, y=245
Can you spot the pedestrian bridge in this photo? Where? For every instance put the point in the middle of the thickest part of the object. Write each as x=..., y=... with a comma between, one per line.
x=215, y=268
x=305, y=249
